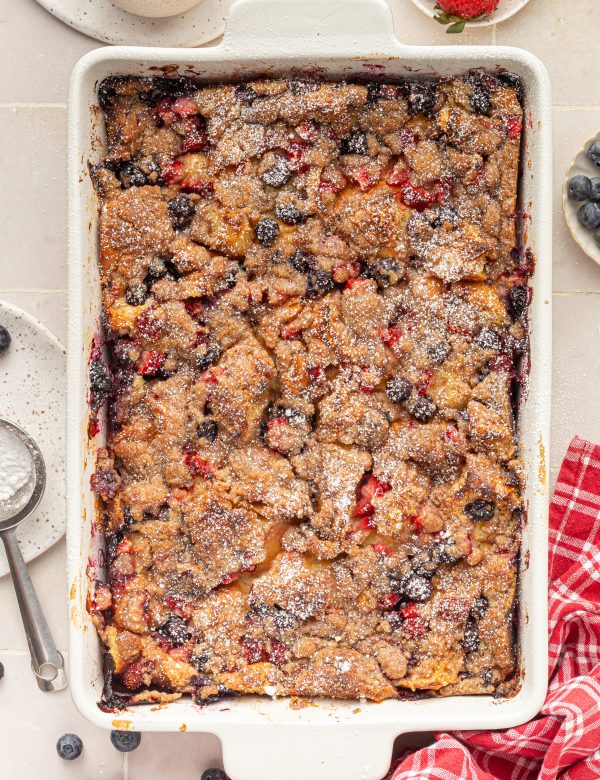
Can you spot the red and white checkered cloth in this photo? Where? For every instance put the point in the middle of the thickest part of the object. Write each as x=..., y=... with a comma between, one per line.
x=564, y=739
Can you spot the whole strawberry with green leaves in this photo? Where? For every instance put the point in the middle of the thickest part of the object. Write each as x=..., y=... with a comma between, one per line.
x=455, y=13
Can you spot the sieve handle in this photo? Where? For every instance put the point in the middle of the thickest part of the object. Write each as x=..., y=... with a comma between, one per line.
x=46, y=662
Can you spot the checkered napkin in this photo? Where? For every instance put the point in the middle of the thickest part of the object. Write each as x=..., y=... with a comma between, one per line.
x=564, y=739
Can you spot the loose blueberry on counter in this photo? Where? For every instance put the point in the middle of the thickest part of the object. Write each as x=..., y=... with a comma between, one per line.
x=589, y=215
x=181, y=211
x=1, y=670
x=125, y=741
x=278, y=174
x=595, y=189
x=267, y=231
x=579, y=188
x=69, y=747
x=423, y=409
x=289, y=213
x=4, y=339
x=398, y=389
x=480, y=510
x=136, y=294
x=214, y=774
x=319, y=283
x=355, y=143
x=594, y=153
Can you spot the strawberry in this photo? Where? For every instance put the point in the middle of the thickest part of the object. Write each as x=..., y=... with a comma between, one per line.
x=197, y=465
x=455, y=13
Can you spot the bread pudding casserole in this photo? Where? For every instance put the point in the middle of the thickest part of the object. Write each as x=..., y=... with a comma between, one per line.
x=315, y=314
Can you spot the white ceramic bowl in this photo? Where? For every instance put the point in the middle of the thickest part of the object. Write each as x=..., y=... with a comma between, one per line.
x=156, y=8
x=581, y=164
x=505, y=10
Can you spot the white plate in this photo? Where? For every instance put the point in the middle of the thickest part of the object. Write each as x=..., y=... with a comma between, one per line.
x=505, y=10
x=581, y=164
x=101, y=19
x=32, y=394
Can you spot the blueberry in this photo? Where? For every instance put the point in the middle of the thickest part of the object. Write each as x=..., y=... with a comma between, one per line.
x=470, y=640
x=136, y=293
x=416, y=588
x=589, y=215
x=423, y=409
x=439, y=352
x=198, y=661
x=480, y=510
x=423, y=98
x=212, y=354
x=518, y=299
x=488, y=339
x=479, y=98
x=512, y=80
x=214, y=774
x=444, y=215
x=398, y=389
x=181, y=211
x=595, y=189
x=289, y=213
x=175, y=630
x=69, y=747
x=278, y=174
x=267, y=231
x=373, y=92
x=319, y=283
x=580, y=188
x=1, y=670
x=597, y=236
x=479, y=608
x=208, y=429
x=245, y=94
x=594, y=152
x=355, y=143
x=4, y=339
x=125, y=741
x=386, y=272
x=301, y=261
x=131, y=176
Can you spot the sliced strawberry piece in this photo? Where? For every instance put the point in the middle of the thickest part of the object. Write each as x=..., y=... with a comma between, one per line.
x=151, y=362
x=367, y=389
x=203, y=188
x=398, y=178
x=195, y=140
x=424, y=382
x=364, y=177
x=197, y=465
x=367, y=523
x=514, y=127
x=416, y=522
x=194, y=307
x=295, y=152
x=184, y=106
x=163, y=110
x=102, y=597
x=254, y=650
x=364, y=508
x=373, y=487
x=148, y=325
x=390, y=336
x=410, y=611
x=415, y=626
x=407, y=137
x=278, y=653
x=330, y=186
x=308, y=130
x=133, y=676
x=389, y=602
x=382, y=549
x=125, y=546
x=353, y=284
x=171, y=171
x=316, y=373
x=180, y=607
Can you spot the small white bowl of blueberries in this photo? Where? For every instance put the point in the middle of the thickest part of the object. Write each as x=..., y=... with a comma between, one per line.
x=581, y=198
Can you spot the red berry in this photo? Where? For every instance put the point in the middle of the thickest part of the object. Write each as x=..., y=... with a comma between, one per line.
x=382, y=549
x=148, y=325
x=514, y=126
x=254, y=650
x=197, y=465
x=151, y=362
x=389, y=601
x=184, y=106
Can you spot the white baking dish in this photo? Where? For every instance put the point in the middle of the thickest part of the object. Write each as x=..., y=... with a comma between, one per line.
x=263, y=738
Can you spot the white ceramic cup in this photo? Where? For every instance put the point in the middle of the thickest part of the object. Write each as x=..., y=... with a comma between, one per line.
x=156, y=8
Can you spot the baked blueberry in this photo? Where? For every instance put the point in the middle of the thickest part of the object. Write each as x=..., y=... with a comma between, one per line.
x=278, y=174
x=480, y=510
x=5, y=339
x=125, y=741
x=100, y=380
x=589, y=215
x=181, y=211
x=289, y=213
x=480, y=607
x=212, y=354
x=214, y=774
x=488, y=339
x=386, y=272
x=580, y=188
x=355, y=143
x=319, y=283
x=175, y=630
x=69, y=747
x=416, y=588
x=267, y=231
x=131, y=176
x=480, y=98
x=470, y=640
x=398, y=389
x=301, y=261
x=518, y=299
x=594, y=152
x=439, y=352
x=423, y=409
x=245, y=94
x=208, y=429
x=508, y=79
x=136, y=293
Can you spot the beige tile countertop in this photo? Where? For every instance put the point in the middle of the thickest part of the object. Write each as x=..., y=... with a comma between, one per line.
x=38, y=53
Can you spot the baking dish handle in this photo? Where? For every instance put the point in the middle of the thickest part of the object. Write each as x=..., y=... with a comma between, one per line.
x=312, y=752
x=324, y=27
